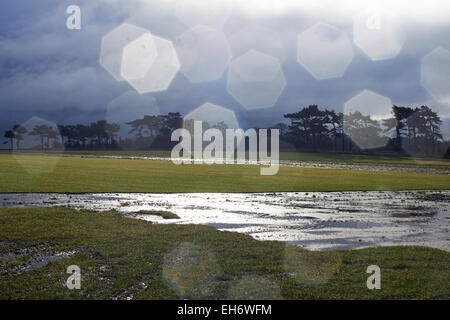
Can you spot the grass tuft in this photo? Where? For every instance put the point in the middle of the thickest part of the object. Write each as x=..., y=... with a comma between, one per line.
x=163, y=214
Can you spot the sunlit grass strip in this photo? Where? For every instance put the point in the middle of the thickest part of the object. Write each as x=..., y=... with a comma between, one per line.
x=79, y=175
x=328, y=157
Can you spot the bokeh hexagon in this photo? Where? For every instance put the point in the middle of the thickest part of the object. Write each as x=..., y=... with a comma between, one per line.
x=204, y=54
x=362, y=119
x=435, y=74
x=215, y=117
x=163, y=70
x=213, y=114
x=309, y=268
x=38, y=134
x=256, y=80
x=325, y=51
x=192, y=271
x=137, y=57
x=369, y=103
x=378, y=34
x=112, y=45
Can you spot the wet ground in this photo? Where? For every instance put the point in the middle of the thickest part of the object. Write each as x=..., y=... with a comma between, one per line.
x=314, y=220
x=316, y=164
x=29, y=258
x=294, y=163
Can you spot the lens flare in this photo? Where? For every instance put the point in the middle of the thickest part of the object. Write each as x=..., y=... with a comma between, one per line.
x=191, y=270
x=378, y=34
x=309, y=268
x=256, y=80
x=324, y=51
x=436, y=74
x=112, y=46
x=204, y=54
x=37, y=134
x=148, y=63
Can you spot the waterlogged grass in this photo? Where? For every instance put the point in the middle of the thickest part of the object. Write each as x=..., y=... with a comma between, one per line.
x=124, y=258
x=365, y=158
x=328, y=157
x=28, y=173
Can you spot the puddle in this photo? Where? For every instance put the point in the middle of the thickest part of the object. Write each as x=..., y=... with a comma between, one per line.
x=314, y=220
x=31, y=258
x=41, y=259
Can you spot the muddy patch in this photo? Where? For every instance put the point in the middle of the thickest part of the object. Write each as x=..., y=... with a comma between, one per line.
x=29, y=258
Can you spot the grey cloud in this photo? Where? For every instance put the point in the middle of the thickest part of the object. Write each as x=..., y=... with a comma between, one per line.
x=50, y=71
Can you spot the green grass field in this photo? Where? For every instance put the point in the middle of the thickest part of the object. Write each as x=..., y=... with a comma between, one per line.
x=122, y=257
x=351, y=158
x=33, y=173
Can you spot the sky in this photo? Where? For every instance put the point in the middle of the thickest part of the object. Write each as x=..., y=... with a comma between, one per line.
x=259, y=59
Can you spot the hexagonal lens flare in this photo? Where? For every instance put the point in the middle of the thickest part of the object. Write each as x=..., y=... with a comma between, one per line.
x=369, y=103
x=147, y=62
x=213, y=115
x=378, y=34
x=308, y=269
x=436, y=74
x=204, y=54
x=162, y=71
x=256, y=80
x=192, y=271
x=137, y=57
x=38, y=134
x=112, y=46
x=325, y=51
x=362, y=116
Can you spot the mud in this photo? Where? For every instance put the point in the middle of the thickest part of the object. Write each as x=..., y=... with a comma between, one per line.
x=29, y=258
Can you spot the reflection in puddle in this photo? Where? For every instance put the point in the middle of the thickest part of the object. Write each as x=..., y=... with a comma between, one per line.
x=314, y=220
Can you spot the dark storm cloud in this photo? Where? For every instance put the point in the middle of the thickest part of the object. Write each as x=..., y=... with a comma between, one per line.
x=51, y=72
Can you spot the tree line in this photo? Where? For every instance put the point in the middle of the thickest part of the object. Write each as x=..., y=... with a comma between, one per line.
x=100, y=135
x=415, y=130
